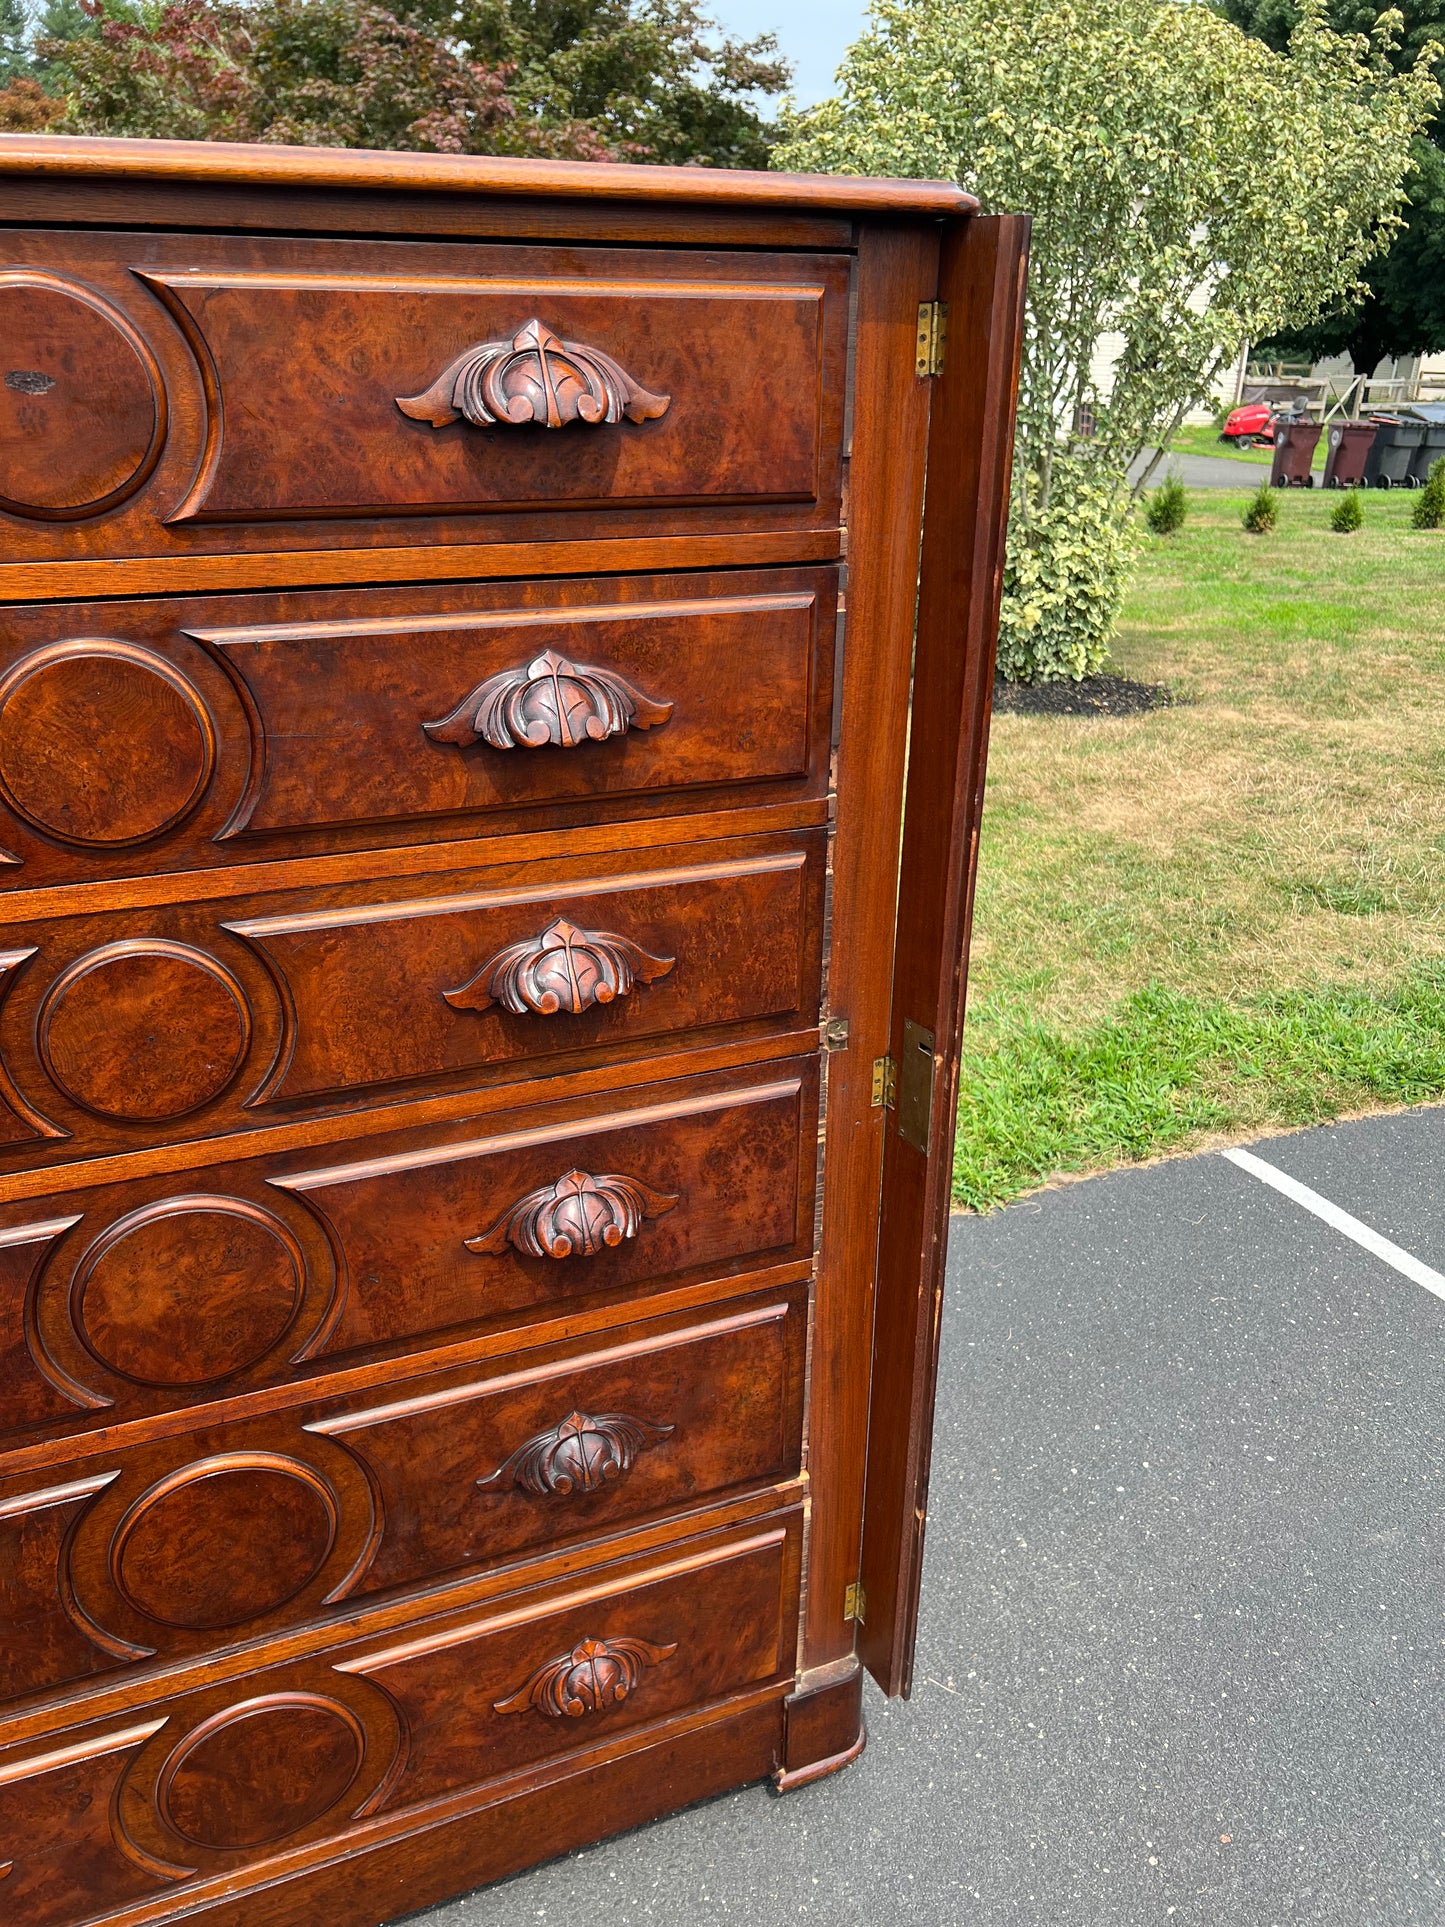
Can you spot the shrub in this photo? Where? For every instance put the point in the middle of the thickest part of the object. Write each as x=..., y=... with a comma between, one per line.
x=1167, y=507
x=1262, y=510
x=1430, y=504
x=1070, y=557
x=1347, y=515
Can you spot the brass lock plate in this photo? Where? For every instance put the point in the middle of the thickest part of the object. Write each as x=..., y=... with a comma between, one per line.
x=915, y=1086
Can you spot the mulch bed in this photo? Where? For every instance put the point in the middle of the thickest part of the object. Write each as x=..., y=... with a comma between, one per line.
x=1094, y=696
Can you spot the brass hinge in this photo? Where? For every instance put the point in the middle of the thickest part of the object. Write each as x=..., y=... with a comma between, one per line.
x=885, y=1083
x=932, y=337
x=855, y=1602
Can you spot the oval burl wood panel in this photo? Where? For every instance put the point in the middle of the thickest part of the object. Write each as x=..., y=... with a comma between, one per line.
x=82, y=409
x=272, y=1760
x=144, y=1031
x=102, y=743
x=204, y=731
x=145, y=1297
x=187, y=1291
x=280, y=365
x=260, y=1773
x=191, y=1542
x=223, y=1542
x=183, y=1545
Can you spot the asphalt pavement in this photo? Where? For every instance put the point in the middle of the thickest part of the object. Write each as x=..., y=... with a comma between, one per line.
x=1180, y=1657
x=1206, y=471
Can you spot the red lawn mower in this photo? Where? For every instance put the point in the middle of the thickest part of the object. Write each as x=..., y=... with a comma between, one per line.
x=1255, y=422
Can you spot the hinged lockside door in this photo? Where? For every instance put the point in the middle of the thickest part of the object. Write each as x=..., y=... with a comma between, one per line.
x=981, y=281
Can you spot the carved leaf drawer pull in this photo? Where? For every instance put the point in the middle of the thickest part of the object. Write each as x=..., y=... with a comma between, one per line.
x=576, y=1217
x=596, y=1674
x=581, y=1454
x=548, y=701
x=565, y=969
x=533, y=377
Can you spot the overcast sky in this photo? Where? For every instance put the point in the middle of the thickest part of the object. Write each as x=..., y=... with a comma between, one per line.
x=814, y=34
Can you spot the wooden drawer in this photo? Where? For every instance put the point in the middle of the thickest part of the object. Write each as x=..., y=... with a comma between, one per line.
x=206, y=1791
x=197, y=380
x=243, y=1528
x=173, y=734
x=142, y=1026
x=145, y=1296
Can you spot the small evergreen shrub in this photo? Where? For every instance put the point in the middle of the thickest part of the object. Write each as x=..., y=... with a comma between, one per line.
x=1347, y=515
x=1430, y=503
x=1262, y=510
x=1168, y=506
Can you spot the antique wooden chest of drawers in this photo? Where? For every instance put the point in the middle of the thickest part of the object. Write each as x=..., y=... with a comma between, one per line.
x=494, y=677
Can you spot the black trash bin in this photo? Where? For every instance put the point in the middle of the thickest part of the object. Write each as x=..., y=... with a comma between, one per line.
x=1388, y=462
x=1294, y=454
x=1431, y=415
x=1349, y=450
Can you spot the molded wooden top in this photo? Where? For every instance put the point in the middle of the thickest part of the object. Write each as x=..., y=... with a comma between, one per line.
x=81, y=156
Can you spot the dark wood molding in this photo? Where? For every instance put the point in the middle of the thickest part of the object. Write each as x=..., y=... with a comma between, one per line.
x=897, y=269
x=52, y=156
x=971, y=441
x=823, y=1727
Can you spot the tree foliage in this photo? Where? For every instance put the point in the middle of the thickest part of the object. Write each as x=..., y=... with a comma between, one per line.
x=1191, y=189
x=14, y=40
x=1403, y=312
x=583, y=79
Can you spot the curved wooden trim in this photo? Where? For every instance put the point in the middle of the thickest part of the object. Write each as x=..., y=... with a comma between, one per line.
x=787, y=1781
x=79, y=156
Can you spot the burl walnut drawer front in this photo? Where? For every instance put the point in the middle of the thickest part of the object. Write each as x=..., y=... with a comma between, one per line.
x=155, y=1293
x=174, y=735
x=180, y=381
x=248, y=1527
x=183, y=1798
x=143, y=1026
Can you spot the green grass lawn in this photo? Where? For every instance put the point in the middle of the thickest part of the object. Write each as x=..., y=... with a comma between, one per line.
x=1202, y=439
x=1225, y=917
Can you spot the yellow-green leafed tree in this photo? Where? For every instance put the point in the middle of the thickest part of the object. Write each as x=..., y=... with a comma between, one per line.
x=1191, y=190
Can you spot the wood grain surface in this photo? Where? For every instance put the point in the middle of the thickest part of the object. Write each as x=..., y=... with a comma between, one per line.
x=435, y=1337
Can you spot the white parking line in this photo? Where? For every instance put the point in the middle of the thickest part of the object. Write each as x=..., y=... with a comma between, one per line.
x=1392, y=1254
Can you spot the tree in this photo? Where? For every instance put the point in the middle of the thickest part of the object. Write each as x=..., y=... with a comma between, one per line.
x=1191, y=189
x=584, y=79
x=14, y=40
x=1404, y=311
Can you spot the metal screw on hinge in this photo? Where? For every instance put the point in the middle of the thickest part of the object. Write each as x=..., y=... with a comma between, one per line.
x=932, y=337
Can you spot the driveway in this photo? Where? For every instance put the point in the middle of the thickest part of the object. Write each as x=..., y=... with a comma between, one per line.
x=1206, y=471
x=1180, y=1659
